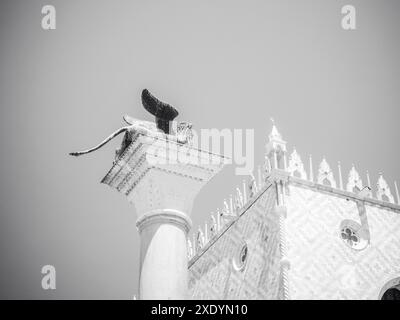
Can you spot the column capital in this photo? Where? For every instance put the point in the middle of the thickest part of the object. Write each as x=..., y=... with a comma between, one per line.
x=169, y=216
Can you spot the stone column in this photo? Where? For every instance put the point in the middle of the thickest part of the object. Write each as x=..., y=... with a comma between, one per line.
x=162, y=178
x=163, y=254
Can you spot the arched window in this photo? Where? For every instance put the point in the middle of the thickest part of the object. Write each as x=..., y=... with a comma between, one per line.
x=391, y=290
x=391, y=294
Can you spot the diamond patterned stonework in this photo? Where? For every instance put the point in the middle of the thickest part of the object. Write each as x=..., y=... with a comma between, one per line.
x=321, y=264
x=212, y=273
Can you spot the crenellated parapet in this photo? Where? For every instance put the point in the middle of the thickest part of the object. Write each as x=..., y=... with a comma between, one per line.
x=244, y=195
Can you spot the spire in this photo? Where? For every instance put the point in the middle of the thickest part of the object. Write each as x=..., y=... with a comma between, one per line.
x=274, y=135
x=276, y=149
x=311, y=170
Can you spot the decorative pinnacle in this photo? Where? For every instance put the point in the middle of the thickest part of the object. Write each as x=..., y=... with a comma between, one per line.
x=274, y=132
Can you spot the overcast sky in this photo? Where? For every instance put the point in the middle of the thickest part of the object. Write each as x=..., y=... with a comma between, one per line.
x=223, y=64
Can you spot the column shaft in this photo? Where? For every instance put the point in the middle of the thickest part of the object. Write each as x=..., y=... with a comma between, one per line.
x=163, y=255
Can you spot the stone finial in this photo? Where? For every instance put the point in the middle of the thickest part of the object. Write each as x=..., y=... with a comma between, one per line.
x=225, y=208
x=311, y=170
x=260, y=178
x=296, y=165
x=206, y=238
x=274, y=135
x=213, y=227
x=397, y=192
x=219, y=220
x=222, y=218
x=325, y=174
x=200, y=240
x=190, y=249
x=368, y=180
x=340, y=176
x=244, y=191
x=383, y=191
x=231, y=206
x=354, y=182
x=253, y=189
x=239, y=203
x=226, y=213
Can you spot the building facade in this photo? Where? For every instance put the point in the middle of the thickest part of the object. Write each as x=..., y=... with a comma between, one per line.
x=287, y=234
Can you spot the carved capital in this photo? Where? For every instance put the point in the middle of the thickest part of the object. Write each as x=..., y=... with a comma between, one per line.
x=168, y=216
x=156, y=172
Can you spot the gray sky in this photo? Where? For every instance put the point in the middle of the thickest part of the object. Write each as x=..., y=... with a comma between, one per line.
x=223, y=64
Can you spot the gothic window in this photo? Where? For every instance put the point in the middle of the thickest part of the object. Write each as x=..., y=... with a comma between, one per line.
x=391, y=290
x=391, y=294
